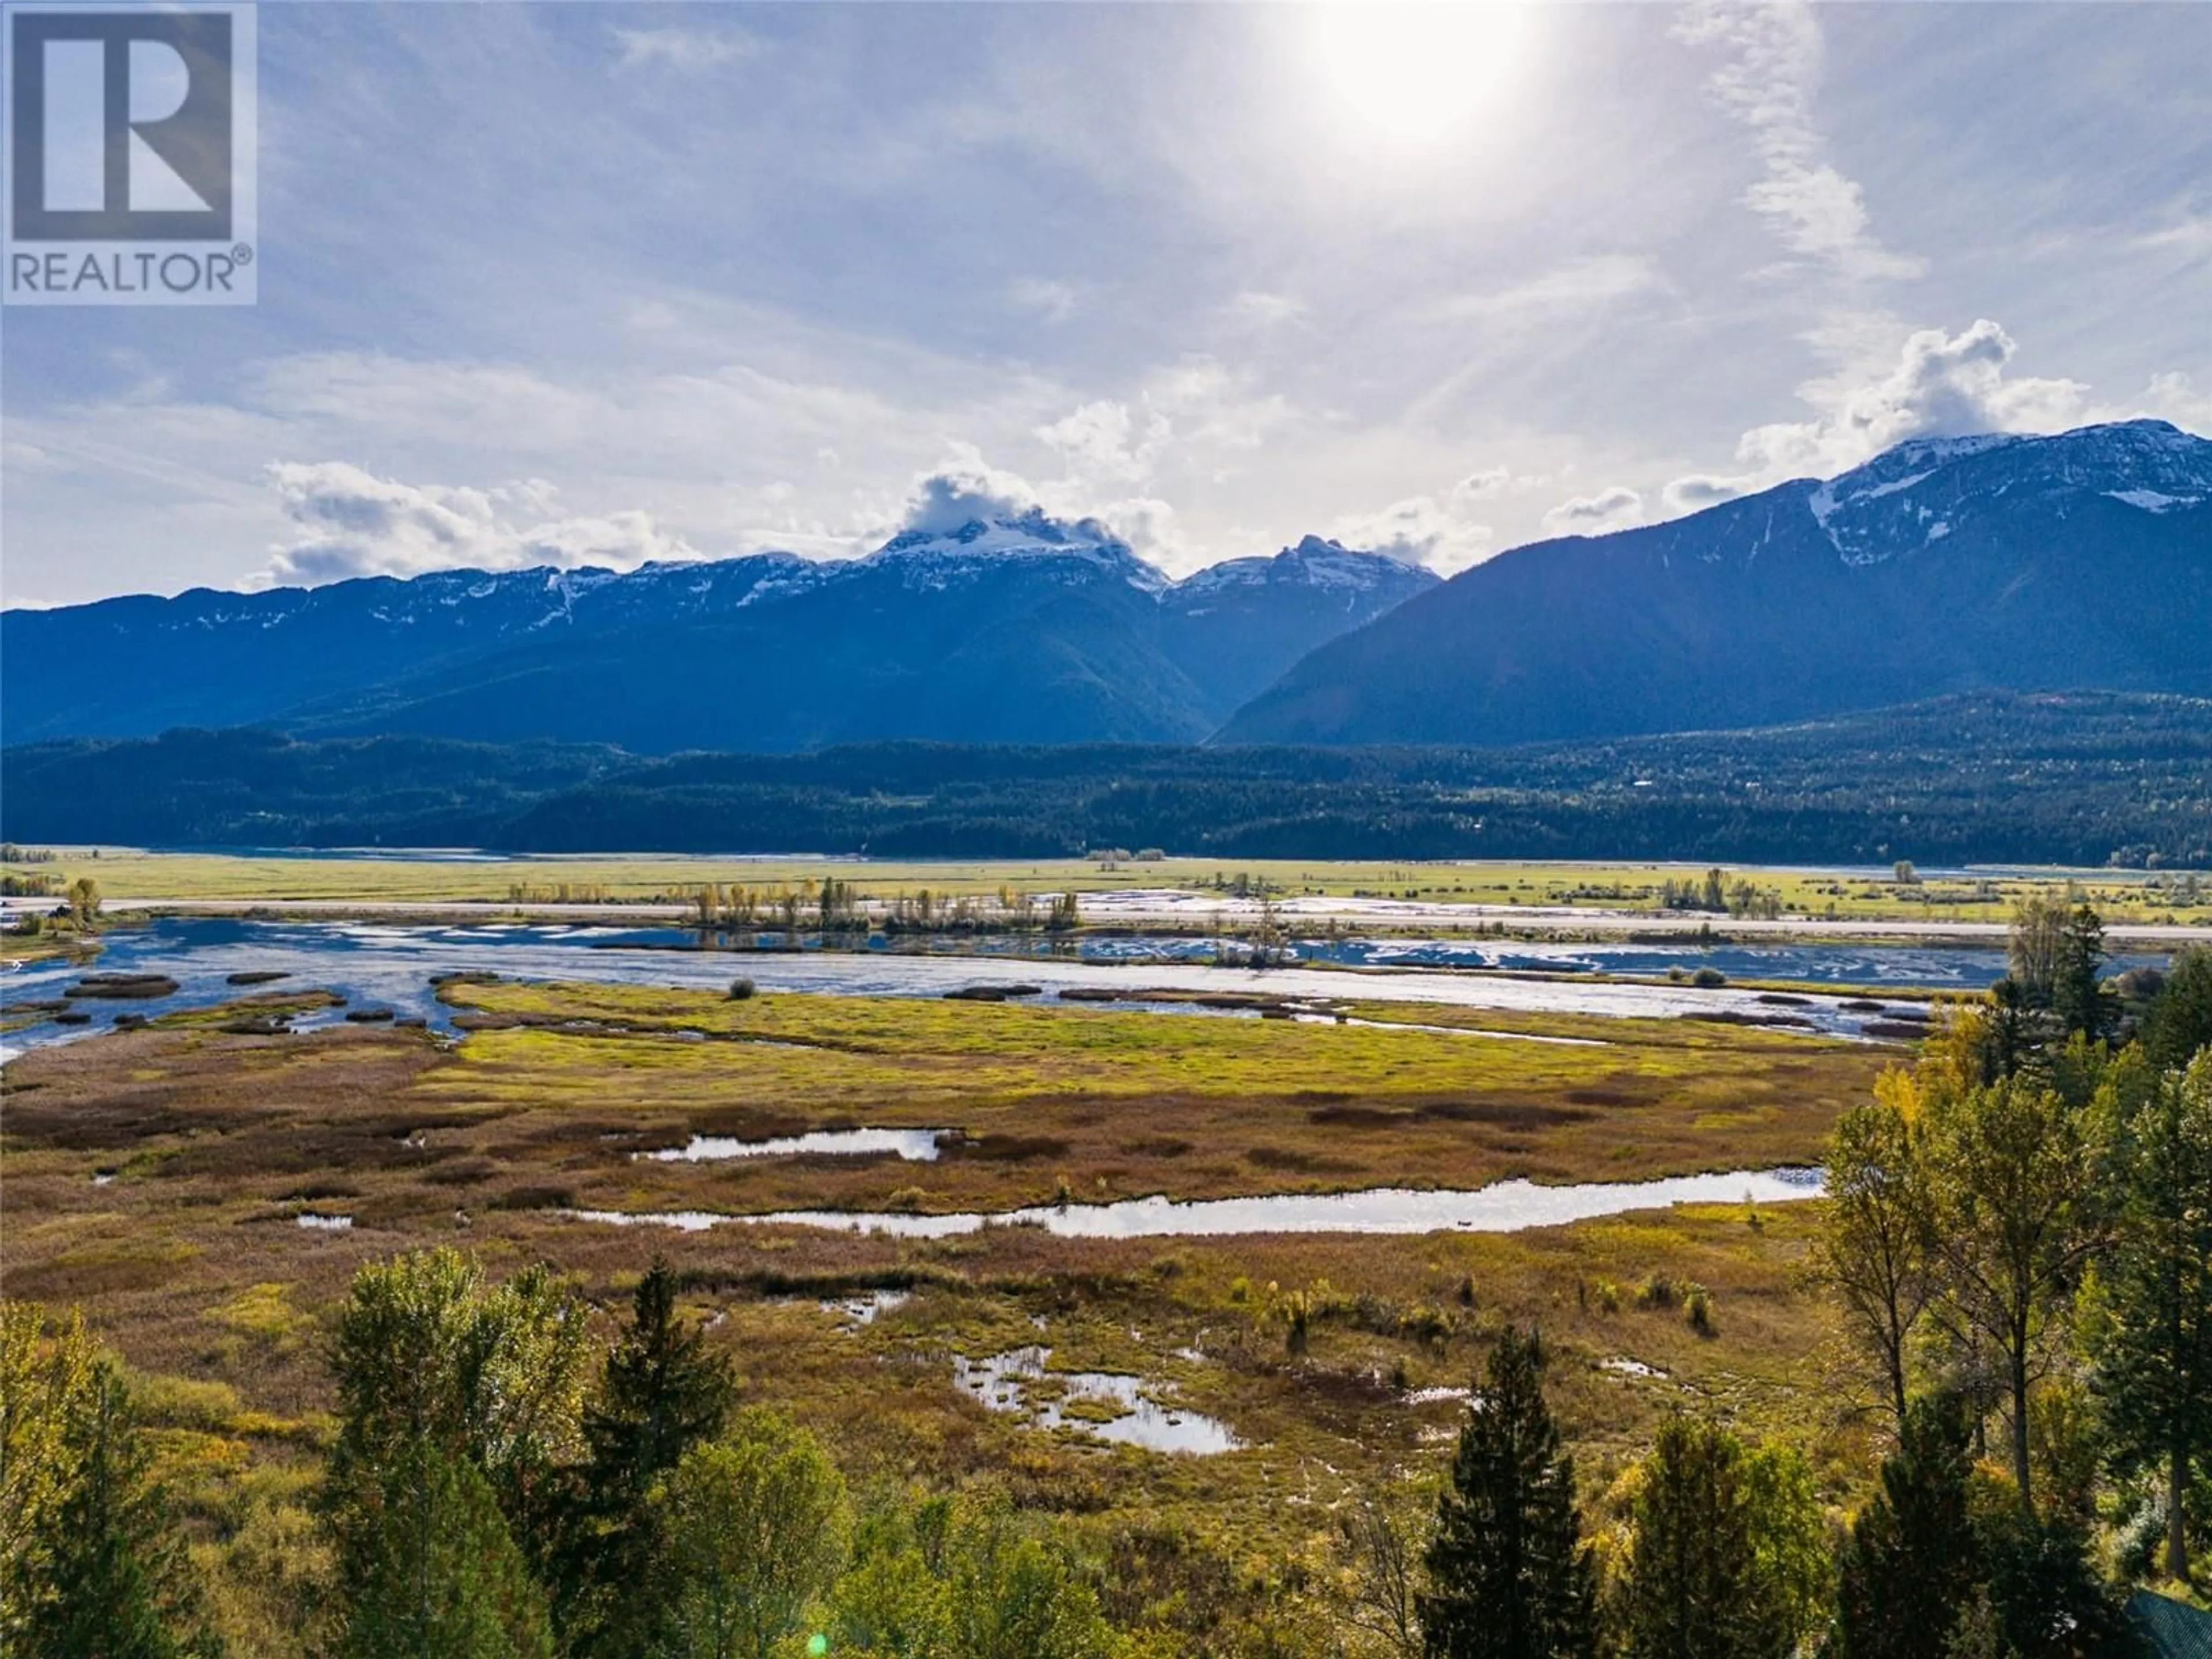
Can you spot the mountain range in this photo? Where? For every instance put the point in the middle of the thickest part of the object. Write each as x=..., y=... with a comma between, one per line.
x=1002, y=630
x=1943, y=566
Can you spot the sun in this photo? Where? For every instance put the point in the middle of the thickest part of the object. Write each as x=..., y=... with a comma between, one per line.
x=1416, y=75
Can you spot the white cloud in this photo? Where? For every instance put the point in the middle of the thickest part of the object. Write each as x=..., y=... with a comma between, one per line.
x=1496, y=480
x=1106, y=441
x=1700, y=490
x=1431, y=530
x=1210, y=405
x=1054, y=301
x=351, y=523
x=690, y=50
x=963, y=489
x=1615, y=509
x=1579, y=285
x=1940, y=385
x=1937, y=385
x=2191, y=237
x=1773, y=52
x=2174, y=396
x=1447, y=530
x=1259, y=309
x=1150, y=526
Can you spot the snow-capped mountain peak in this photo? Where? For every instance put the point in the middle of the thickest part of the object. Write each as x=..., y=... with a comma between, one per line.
x=1314, y=563
x=937, y=558
x=1924, y=489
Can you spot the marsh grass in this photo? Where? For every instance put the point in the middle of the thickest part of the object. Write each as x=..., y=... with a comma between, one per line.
x=190, y=1262
x=1062, y=1104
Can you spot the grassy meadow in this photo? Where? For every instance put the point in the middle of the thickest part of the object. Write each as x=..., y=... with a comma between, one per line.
x=2123, y=896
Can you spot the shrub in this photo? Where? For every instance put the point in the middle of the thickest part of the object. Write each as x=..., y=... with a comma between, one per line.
x=1710, y=978
x=1697, y=1308
x=1607, y=1296
x=741, y=990
x=1657, y=1291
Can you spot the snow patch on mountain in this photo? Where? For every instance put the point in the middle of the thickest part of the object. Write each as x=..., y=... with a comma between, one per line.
x=1326, y=566
x=928, y=560
x=1925, y=488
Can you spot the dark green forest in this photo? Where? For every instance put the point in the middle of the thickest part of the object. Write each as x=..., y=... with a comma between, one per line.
x=2080, y=778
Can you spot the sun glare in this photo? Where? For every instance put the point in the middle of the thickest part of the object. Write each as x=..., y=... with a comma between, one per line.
x=1413, y=75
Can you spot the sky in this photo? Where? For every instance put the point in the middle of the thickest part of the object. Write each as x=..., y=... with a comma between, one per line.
x=579, y=284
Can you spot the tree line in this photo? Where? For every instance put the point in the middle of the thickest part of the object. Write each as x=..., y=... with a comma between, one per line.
x=2083, y=780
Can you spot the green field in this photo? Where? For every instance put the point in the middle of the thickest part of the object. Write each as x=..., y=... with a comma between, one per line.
x=2123, y=896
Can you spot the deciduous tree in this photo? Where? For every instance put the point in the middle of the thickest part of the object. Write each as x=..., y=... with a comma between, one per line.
x=754, y=1534
x=1876, y=1250
x=2019, y=1214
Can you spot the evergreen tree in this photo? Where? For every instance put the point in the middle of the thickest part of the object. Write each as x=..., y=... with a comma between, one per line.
x=1691, y=1587
x=1508, y=1575
x=117, y=1582
x=2154, y=1342
x=2048, y=1597
x=2077, y=997
x=1909, y=1564
x=431, y=1571
x=662, y=1393
x=2180, y=1022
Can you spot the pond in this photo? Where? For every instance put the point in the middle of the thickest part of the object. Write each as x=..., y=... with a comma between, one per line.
x=1128, y=1411
x=1502, y=1207
x=916, y=1145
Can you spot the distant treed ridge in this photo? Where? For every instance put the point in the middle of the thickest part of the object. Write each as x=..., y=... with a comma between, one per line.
x=2078, y=779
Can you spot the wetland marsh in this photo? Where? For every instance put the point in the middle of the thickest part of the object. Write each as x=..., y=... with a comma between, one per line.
x=205, y=1194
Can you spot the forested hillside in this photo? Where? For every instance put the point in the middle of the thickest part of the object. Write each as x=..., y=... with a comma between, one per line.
x=2080, y=779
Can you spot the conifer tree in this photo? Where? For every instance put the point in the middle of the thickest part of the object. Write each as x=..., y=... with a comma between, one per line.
x=1691, y=1588
x=1508, y=1575
x=661, y=1393
x=2077, y=998
x=2180, y=1022
x=117, y=1582
x=430, y=1568
x=2153, y=1343
x=1908, y=1566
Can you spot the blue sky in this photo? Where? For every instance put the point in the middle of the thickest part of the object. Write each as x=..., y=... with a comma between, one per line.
x=597, y=284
